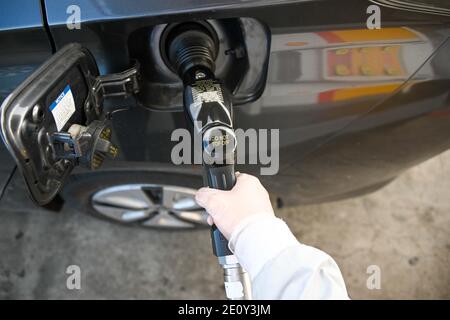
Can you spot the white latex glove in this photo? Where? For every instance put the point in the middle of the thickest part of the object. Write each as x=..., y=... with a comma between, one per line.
x=228, y=209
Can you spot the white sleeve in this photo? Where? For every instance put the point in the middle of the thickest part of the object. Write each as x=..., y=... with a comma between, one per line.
x=282, y=268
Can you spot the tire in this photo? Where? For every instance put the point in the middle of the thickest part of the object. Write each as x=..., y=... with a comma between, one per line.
x=80, y=190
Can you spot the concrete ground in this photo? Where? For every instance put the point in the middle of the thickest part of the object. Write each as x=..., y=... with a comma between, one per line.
x=404, y=229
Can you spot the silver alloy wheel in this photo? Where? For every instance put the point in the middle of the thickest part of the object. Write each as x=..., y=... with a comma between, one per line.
x=150, y=205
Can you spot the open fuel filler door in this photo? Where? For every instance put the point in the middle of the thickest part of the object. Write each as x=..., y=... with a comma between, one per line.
x=53, y=121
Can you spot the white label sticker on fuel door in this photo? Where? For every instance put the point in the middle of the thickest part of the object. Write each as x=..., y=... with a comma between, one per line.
x=63, y=108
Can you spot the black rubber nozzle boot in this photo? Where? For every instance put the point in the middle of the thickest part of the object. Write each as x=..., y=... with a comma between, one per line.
x=191, y=46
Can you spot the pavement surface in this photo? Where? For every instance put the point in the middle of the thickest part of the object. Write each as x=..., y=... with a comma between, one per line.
x=403, y=231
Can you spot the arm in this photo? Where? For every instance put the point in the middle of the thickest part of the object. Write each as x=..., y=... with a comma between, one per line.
x=280, y=267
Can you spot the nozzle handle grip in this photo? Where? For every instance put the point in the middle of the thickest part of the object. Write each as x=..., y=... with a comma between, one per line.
x=222, y=178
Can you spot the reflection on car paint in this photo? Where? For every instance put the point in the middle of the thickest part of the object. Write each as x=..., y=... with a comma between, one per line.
x=343, y=64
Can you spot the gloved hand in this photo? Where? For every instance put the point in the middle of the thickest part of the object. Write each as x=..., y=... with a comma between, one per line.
x=227, y=209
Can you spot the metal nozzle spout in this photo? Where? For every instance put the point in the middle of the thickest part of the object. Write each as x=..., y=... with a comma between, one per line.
x=236, y=279
x=237, y=283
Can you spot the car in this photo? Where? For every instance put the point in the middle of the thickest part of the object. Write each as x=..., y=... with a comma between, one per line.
x=349, y=104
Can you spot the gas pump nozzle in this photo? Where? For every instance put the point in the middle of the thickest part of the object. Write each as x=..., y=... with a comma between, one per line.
x=192, y=52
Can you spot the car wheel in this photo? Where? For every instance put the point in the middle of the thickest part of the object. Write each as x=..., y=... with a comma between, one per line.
x=146, y=199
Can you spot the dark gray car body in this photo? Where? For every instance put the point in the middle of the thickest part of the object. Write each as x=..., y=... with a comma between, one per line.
x=342, y=132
